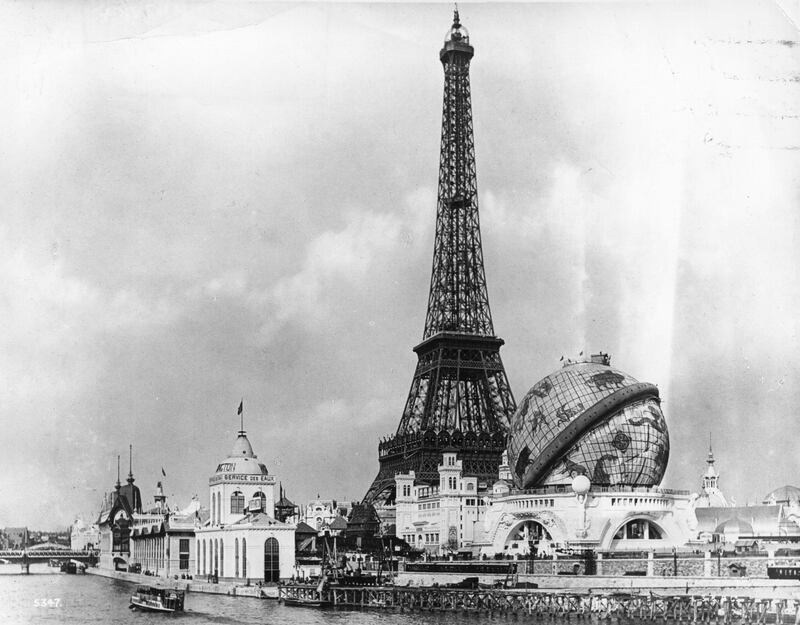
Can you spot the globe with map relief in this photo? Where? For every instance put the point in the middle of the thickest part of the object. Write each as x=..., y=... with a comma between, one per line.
x=589, y=419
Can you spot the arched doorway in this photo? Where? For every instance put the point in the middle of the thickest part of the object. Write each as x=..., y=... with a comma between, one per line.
x=272, y=567
x=529, y=537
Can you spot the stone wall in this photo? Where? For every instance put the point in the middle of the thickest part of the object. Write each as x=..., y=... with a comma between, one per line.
x=695, y=565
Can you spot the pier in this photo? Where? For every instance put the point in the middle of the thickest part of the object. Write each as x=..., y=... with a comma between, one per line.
x=548, y=604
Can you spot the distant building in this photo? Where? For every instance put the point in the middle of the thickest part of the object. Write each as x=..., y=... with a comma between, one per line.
x=15, y=537
x=444, y=517
x=710, y=495
x=322, y=512
x=163, y=541
x=116, y=520
x=84, y=536
x=774, y=522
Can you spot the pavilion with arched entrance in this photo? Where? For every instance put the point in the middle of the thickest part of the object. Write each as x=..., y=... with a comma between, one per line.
x=243, y=539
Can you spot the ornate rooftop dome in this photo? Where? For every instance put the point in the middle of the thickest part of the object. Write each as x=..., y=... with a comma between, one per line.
x=587, y=418
x=242, y=460
x=457, y=32
x=788, y=495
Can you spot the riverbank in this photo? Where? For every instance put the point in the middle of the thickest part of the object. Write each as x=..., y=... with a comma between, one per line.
x=231, y=589
x=753, y=588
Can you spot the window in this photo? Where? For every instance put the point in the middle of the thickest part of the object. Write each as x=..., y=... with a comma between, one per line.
x=183, y=554
x=639, y=529
x=237, y=503
x=244, y=557
x=259, y=502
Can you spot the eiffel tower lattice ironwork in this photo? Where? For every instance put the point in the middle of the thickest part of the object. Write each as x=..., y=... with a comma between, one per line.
x=459, y=398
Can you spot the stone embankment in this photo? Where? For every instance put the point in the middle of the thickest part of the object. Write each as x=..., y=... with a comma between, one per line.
x=191, y=585
x=726, y=586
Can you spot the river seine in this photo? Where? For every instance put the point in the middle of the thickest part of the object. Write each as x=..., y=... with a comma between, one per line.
x=61, y=598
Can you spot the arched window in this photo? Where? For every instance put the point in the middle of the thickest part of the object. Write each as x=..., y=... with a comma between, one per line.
x=639, y=529
x=237, y=503
x=216, y=557
x=219, y=508
x=204, y=557
x=213, y=508
x=244, y=557
x=221, y=558
x=197, y=557
x=262, y=500
x=272, y=567
x=236, y=557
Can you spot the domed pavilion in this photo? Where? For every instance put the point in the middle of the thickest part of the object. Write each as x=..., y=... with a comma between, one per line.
x=587, y=449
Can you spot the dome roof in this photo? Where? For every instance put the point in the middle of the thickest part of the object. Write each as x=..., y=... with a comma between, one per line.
x=242, y=459
x=588, y=418
x=242, y=447
x=457, y=32
x=711, y=499
x=789, y=495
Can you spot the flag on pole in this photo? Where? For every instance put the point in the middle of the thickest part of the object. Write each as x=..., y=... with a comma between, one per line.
x=241, y=407
x=164, y=473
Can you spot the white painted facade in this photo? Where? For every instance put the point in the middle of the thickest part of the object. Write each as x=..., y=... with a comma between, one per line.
x=444, y=518
x=454, y=516
x=243, y=539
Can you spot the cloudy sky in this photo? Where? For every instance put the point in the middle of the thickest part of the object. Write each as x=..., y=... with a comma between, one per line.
x=205, y=201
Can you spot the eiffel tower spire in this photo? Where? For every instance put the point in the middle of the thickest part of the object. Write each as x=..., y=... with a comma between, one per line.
x=459, y=396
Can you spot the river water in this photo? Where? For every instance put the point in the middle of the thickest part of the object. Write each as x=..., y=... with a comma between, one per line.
x=77, y=599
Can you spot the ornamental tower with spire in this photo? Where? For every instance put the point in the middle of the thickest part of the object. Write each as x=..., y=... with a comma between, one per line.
x=459, y=399
x=712, y=496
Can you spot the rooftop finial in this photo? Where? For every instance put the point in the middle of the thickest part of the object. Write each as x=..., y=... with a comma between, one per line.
x=240, y=412
x=118, y=484
x=456, y=23
x=130, y=463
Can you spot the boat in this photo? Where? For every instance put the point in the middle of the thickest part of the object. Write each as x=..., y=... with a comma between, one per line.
x=73, y=567
x=305, y=602
x=156, y=599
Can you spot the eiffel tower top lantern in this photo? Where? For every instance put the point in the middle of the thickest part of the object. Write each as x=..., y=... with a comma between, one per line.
x=459, y=398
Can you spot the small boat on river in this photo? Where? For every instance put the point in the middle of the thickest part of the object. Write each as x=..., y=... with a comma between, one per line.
x=155, y=599
x=305, y=602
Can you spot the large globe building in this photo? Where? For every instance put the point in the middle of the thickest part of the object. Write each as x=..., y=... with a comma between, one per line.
x=589, y=419
x=588, y=447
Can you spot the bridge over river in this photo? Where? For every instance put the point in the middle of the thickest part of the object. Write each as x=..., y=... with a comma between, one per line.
x=26, y=557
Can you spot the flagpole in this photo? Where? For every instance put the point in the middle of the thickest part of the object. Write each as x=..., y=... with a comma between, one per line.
x=241, y=416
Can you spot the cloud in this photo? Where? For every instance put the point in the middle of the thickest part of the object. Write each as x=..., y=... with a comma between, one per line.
x=368, y=242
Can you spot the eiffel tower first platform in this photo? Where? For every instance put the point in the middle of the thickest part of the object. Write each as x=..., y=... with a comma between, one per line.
x=460, y=398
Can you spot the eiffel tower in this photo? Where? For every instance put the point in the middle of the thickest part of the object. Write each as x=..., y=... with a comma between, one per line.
x=459, y=398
